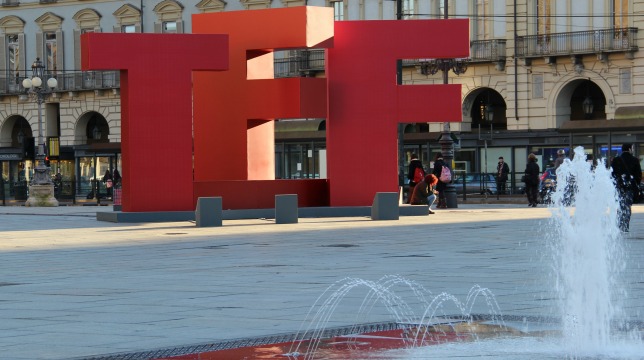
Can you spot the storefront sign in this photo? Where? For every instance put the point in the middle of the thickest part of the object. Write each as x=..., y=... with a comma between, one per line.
x=10, y=156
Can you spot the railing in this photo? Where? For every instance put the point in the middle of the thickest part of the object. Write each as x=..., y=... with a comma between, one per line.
x=67, y=81
x=304, y=62
x=10, y=2
x=578, y=42
x=487, y=50
x=69, y=191
x=18, y=191
x=301, y=63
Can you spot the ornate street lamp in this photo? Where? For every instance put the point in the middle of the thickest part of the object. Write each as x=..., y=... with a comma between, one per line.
x=41, y=184
x=487, y=113
x=588, y=107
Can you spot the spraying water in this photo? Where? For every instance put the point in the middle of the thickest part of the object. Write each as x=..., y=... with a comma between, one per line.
x=588, y=261
x=587, y=250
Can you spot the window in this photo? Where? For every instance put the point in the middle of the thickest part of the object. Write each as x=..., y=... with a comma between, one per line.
x=480, y=19
x=50, y=51
x=409, y=8
x=543, y=16
x=13, y=57
x=169, y=14
x=128, y=19
x=620, y=14
x=170, y=27
x=338, y=10
x=128, y=29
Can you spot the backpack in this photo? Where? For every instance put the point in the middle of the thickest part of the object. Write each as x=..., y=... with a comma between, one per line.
x=419, y=175
x=446, y=175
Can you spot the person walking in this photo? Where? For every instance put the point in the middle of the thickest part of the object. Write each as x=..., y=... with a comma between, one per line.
x=561, y=156
x=117, y=179
x=415, y=174
x=441, y=186
x=424, y=192
x=502, y=171
x=627, y=173
x=107, y=180
x=531, y=179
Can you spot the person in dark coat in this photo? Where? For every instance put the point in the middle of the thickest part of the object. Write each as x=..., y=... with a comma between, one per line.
x=107, y=180
x=117, y=179
x=502, y=171
x=411, y=172
x=627, y=172
x=441, y=186
x=424, y=192
x=532, y=180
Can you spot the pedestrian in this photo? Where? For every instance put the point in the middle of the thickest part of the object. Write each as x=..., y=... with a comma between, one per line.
x=107, y=180
x=627, y=173
x=424, y=192
x=502, y=171
x=415, y=174
x=531, y=179
x=441, y=186
x=561, y=156
x=117, y=179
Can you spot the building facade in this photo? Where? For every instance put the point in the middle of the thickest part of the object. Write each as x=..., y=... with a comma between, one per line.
x=542, y=75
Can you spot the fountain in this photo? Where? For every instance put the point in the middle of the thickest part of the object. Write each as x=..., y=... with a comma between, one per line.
x=587, y=254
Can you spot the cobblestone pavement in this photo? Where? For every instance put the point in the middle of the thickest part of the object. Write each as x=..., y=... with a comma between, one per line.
x=72, y=287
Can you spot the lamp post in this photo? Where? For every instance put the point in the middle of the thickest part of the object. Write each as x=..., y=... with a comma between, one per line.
x=446, y=141
x=41, y=189
x=488, y=114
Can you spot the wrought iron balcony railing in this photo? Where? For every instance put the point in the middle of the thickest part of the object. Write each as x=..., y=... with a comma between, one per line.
x=300, y=63
x=67, y=81
x=487, y=50
x=577, y=43
x=305, y=62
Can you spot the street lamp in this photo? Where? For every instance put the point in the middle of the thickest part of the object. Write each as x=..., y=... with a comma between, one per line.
x=41, y=189
x=487, y=113
x=588, y=107
x=446, y=140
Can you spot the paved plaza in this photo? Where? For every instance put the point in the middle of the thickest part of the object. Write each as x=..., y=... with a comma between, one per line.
x=73, y=287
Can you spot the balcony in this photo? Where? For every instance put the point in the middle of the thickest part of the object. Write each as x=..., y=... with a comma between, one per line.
x=10, y=2
x=487, y=50
x=300, y=63
x=67, y=81
x=577, y=43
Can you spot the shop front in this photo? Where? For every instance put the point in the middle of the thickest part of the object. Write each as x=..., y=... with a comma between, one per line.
x=93, y=162
x=16, y=174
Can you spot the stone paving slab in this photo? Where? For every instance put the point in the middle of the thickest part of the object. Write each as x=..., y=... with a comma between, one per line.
x=72, y=287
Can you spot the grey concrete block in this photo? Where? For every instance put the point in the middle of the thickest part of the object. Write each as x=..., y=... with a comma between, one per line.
x=385, y=206
x=286, y=211
x=209, y=212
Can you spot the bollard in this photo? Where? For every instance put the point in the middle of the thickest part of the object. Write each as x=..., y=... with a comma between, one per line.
x=286, y=209
x=385, y=206
x=209, y=212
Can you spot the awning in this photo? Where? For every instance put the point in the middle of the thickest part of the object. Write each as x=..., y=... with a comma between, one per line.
x=599, y=126
x=629, y=113
x=300, y=125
